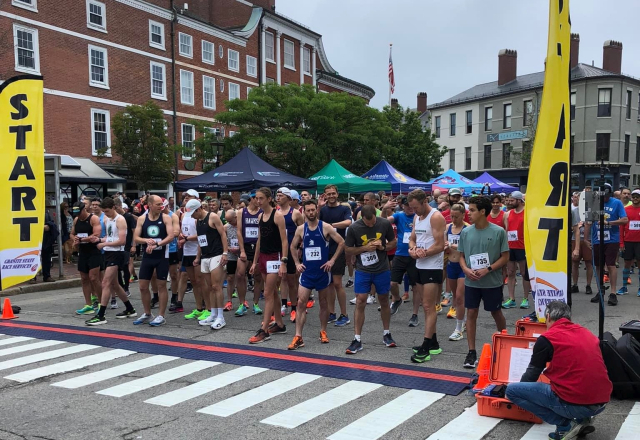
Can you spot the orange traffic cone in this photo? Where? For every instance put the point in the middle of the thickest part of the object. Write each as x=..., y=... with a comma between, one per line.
x=7, y=310
x=484, y=367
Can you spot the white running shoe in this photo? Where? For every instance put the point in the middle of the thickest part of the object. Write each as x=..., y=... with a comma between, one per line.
x=218, y=324
x=353, y=301
x=455, y=336
x=208, y=321
x=371, y=299
x=114, y=303
x=284, y=310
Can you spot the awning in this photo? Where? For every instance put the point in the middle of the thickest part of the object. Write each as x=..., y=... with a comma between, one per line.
x=83, y=170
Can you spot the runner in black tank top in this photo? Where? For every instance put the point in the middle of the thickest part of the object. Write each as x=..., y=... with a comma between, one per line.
x=270, y=252
x=84, y=227
x=247, y=229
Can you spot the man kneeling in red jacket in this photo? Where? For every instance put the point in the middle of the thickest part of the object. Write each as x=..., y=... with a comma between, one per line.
x=580, y=386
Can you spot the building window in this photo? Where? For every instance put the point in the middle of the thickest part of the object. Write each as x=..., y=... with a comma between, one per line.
x=573, y=106
x=528, y=113
x=437, y=126
x=208, y=92
x=452, y=124
x=488, y=118
x=627, y=147
x=289, y=55
x=221, y=82
x=188, y=135
x=96, y=15
x=186, y=87
x=26, y=4
x=156, y=34
x=602, y=146
x=26, y=49
x=506, y=155
x=270, y=80
x=452, y=158
x=234, y=91
x=98, y=67
x=604, y=103
x=467, y=158
x=487, y=157
x=506, y=122
x=629, y=98
x=248, y=91
x=638, y=149
x=100, y=132
x=208, y=52
x=234, y=60
x=306, y=61
x=252, y=66
x=158, y=81
x=268, y=44
x=186, y=45
x=469, y=126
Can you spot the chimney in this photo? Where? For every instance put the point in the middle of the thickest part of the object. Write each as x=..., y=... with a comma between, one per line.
x=422, y=102
x=612, y=56
x=394, y=103
x=507, y=66
x=575, y=50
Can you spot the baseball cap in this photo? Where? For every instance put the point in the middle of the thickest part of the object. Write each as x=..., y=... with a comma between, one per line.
x=165, y=202
x=192, y=205
x=295, y=195
x=77, y=207
x=245, y=198
x=125, y=206
x=455, y=192
x=286, y=191
x=517, y=195
x=193, y=193
x=635, y=192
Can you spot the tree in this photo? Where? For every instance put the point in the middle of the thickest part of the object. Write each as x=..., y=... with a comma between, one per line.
x=140, y=144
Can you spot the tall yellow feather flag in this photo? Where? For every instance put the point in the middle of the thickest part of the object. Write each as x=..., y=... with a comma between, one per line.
x=546, y=216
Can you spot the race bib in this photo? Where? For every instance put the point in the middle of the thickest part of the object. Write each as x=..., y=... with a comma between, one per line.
x=185, y=230
x=607, y=235
x=512, y=235
x=454, y=239
x=251, y=232
x=273, y=266
x=234, y=243
x=406, y=237
x=202, y=241
x=369, y=258
x=479, y=261
x=82, y=235
x=312, y=254
x=634, y=225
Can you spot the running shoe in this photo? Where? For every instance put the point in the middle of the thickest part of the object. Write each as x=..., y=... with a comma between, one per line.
x=143, y=319
x=613, y=300
x=96, y=320
x=94, y=299
x=451, y=314
x=456, y=336
x=224, y=283
x=524, y=304
x=296, y=343
x=259, y=337
x=242, y=310
x=218, y=323
x=355, y=347
x=506, y=281
x=606, y=278
x=207, y=321
x=438, y=309
x=158, y=321
x=324, y=339
x=195, y=313
x=257, y=310
x=349, y=283
x=395, y=306
x=332, y=317
x=420, y=356
x=131, y=279
x=413, y=322
x=509, y=304
x=531, y=316
x=114, y=303
x=434, y=348
x=575, y=289
x=596, y=298
x=588, y=290
x=342, y=321
x=272, y=321
x=446, y=301
x=353, y=301
x=127, y=293
x=623, y=291
x=388, y=340
x=471, y=361
x=276, y=329
x=371, y=299
x=189, y=288
x=310, y=303
x=228, y=306
x=126, y=314
x=86, y=310
x=292, y=316
x=284, y=310
x=234, y=294
x=405, y=297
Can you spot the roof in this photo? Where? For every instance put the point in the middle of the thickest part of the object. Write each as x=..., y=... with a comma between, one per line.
x=522, y=83
x=369, y=91
x=87, y=172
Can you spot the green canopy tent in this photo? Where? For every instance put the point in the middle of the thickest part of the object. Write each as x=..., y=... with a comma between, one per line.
x=346, y=181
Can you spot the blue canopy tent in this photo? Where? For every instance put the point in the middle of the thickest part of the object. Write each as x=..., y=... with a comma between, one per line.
x=450, y=179
x=384, y=172
x=244, y=172
x=496, y=185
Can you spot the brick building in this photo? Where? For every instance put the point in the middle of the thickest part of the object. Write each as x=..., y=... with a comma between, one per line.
x=189, y=57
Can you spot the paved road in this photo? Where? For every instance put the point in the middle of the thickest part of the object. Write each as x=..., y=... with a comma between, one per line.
x=60, y=390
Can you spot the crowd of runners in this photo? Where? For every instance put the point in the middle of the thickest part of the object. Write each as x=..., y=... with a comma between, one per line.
x=293, y=249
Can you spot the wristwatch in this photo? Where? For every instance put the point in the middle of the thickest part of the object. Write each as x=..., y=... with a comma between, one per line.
x=489, y=268
x=284, y=259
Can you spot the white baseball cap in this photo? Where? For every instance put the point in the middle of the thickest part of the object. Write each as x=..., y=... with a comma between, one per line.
x=125, y=206
x=192, y=205
x=286, y=191
x=635, y=191
x=193, y=193
x=517, y=195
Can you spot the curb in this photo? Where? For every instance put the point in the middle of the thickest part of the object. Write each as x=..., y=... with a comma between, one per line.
x=42, y=287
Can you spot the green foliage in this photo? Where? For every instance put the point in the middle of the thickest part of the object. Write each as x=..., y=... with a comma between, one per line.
x=140, y=144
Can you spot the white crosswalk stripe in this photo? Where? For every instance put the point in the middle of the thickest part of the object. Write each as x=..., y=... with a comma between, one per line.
x=258, y=395
x=47, y=355
x=205, y=386
x=467, y=426
x=630, y=429
x=539, y=431
x=14, y=340
x=382, y=420
x=29, y=347
x=312, y=408
x=157, y=379
x=64, y=367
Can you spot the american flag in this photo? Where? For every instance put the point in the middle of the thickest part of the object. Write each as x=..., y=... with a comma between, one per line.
x=392, y=81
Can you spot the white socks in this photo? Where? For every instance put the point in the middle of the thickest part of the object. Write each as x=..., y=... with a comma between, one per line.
x=357, y=338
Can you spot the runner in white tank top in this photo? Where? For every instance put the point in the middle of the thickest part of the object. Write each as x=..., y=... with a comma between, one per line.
x=424, y=240
x=112, y=236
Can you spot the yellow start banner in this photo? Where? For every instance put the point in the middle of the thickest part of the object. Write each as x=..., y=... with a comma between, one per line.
x=22, y=198
x=546, y=218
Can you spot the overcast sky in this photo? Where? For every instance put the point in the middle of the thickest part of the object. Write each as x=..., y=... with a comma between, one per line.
x=446, y=47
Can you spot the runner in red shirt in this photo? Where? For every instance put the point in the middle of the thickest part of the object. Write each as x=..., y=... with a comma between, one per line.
x=496, y=216
x=630, y=239
x=514, y=224
x=455, y=196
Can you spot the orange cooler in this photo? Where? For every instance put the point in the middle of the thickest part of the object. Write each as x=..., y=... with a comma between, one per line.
x=526, y=327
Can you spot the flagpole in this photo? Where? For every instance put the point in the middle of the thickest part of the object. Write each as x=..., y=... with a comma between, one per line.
x=390, y=50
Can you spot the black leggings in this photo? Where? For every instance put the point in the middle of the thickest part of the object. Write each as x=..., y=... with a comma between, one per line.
x=127, y=276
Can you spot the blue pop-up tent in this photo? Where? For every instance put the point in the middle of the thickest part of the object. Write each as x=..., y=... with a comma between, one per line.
x=244, y=172
x=384, y=172
x=450, y=179
x=496, y=185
